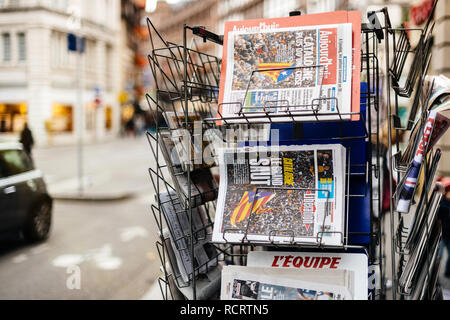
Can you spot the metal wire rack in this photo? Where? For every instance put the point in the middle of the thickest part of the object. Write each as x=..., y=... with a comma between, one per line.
x=187, y=87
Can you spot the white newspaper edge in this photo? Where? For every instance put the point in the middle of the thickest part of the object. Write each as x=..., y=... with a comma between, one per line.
x=356, y=262
x=287, y=278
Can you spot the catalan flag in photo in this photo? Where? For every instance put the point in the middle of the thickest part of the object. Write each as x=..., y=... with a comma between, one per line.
x=280, y=73
x=242, y=210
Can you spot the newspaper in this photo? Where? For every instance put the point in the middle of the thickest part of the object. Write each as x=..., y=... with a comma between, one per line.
x=203, y=187
x=291, y=66
x=440, y=89
x=427, y=268
x=356, y=262
x=421, y=208
x=207, y=285
x=435, y=126
x=182, y=142
x=281, y=194
x=252, y=283
x=205, y=254
x=411, y=267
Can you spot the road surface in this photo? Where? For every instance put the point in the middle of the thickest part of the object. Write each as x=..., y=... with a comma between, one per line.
x=97, y=250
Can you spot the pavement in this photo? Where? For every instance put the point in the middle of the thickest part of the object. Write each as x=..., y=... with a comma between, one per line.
x=113, y=170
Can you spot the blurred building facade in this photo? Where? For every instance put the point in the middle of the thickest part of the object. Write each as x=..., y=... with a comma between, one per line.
x=38, y=73
x=133, y=63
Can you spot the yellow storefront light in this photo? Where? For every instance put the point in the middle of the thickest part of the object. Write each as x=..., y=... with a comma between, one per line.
x=23, y=108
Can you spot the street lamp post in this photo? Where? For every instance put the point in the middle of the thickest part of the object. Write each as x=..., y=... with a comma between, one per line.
x=76, y=43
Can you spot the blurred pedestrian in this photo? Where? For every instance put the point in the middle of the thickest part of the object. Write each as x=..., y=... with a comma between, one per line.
x=130, y=127
x=444, y=217
x=26, y=139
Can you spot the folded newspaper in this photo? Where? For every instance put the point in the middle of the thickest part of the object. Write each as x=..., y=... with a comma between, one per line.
x=435, y=126
x=299, y=66
x=202, y=187
x=356, y=262
x=205, y=254
x=417, y=251
x=281, y=194
x=182, y=140
x=207, y=284
x=253, y=283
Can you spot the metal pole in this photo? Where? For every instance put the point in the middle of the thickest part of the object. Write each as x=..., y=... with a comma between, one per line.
x=188, y=164
x=80, y=115
x=388, y=107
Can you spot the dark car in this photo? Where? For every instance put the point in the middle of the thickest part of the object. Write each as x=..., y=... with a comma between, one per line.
x=25, y=204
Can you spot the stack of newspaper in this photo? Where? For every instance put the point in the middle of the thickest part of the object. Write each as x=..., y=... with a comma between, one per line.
x=177, y=240
x=281, y=194
x=419, y=275
x=422, y=244
x=273, y=275
x=207, y=284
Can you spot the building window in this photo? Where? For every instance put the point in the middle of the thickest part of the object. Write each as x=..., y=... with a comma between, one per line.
x=22, y=46
x=6, y=47
x=14, y=3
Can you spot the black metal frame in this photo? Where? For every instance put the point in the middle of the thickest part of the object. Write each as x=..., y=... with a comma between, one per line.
x=395, y=63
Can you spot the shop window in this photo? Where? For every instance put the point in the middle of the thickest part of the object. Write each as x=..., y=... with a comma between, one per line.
x=108, y=117
x=12, y=117
x=62, y=118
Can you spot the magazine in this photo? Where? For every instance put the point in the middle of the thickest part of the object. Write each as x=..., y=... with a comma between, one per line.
x=252, y=283
x=356, y=262
x=205, y=253
x=281, y=194
x=307, y=69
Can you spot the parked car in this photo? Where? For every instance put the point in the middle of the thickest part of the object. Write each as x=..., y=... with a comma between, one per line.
x=25, y=204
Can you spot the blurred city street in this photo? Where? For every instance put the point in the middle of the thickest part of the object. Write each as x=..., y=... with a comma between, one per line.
x=112, y=242
x=356, y=89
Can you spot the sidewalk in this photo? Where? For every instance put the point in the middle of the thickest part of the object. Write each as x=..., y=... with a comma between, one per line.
x=112, y=170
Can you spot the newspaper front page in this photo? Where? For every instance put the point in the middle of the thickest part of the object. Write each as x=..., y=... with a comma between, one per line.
x=282, y=194
x=250, y=283
x=288, y=71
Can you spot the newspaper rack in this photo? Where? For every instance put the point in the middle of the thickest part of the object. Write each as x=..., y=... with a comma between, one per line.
x=187, y=84
x=399, y=230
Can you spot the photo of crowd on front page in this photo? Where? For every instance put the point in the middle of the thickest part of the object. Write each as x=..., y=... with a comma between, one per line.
x=287, y=193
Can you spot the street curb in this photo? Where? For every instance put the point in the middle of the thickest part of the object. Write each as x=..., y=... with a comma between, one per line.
x=92, y=197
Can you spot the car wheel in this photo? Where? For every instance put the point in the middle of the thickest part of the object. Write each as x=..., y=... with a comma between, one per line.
x=39, y=221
